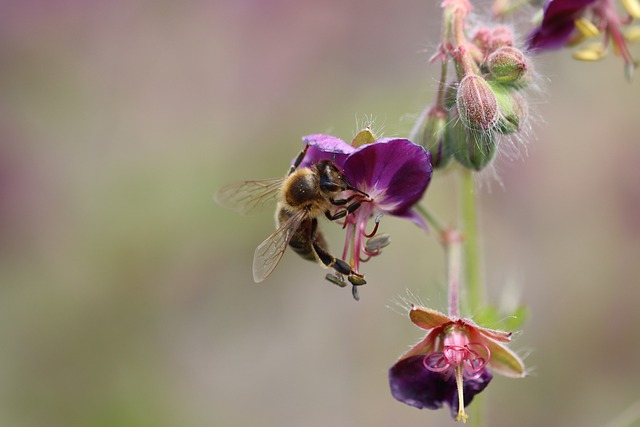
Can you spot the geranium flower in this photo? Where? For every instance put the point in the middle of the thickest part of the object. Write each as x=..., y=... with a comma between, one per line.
x=394, y=173
x=558, y=24
x=450, y=364
x=570, y=21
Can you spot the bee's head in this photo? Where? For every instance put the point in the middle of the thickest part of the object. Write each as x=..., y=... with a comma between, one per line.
x=332, y=180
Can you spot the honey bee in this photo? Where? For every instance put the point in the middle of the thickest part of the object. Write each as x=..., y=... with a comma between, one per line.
x=302, y=196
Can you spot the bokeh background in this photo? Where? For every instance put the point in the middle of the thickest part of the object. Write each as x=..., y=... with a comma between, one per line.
x=126, y=295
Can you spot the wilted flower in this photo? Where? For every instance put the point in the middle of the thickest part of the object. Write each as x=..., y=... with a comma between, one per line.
x=394, y=173
x=450, y=364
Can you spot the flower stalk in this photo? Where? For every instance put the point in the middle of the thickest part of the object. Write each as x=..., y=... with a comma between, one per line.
x=469, y=220
x=452, y=241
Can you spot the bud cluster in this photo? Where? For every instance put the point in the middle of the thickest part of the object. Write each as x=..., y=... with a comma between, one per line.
x=484, y=103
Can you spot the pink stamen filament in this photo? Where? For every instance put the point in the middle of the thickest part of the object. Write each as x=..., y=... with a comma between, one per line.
x=375, y=228
x=436, y=362
x=370, y=254
x=348, y=238
x=609, y=21
x=455, y=355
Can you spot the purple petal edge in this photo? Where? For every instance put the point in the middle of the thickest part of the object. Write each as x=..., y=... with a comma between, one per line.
x=411, y=383
x=557, y=24
x=325, y=147
x=397, y=167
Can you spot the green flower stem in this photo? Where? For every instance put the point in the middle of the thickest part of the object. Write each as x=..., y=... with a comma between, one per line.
x=476, y=411
x=430, y=218
x=471, y=253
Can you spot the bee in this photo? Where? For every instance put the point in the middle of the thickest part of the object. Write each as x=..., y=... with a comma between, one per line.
x=303, y=195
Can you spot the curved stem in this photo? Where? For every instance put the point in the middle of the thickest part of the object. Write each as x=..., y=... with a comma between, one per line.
x=430, y=218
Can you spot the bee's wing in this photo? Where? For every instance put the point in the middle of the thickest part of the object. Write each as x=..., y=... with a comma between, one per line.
x=247, y=197
x=268, y=254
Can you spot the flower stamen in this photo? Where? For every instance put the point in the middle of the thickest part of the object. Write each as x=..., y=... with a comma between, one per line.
x=462, y=416
x=375, y=228
x=436, y=362
x=586, y=27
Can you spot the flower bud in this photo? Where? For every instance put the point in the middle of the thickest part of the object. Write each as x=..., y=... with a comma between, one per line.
x=477, y=104
x=432, y=137
x=472, y=148
x=507, y=64
x=513, y=109
x=489, y=39
x=365, y=136
x=450, y=94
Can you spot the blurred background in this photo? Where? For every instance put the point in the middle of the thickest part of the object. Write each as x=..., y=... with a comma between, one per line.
x=126, y=294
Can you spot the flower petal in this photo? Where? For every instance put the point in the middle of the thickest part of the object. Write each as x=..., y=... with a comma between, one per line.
x=502, y=360
x=399, y=169
x=557, y=24
x=413, y=216
x=427, y=318
x=494, y=334
x=424, y=346
x=470, y=388
x=413, y=384
x=325, y=147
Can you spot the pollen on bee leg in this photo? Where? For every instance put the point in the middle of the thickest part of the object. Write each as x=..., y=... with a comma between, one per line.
x=336, y=279
x=357, y=279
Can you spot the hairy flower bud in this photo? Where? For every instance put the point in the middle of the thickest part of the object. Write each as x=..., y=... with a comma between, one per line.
x=489, y=39
x=365, y=136
x=507, y=64
x=477, y=104
x=450, y=94
x=432, y=137
x=473, y=149
x=513, y=109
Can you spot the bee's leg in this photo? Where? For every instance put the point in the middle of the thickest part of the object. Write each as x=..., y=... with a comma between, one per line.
x=336, y=279
x=340, y=266
x=343, y=212
x=299, y=159
x=342, y=202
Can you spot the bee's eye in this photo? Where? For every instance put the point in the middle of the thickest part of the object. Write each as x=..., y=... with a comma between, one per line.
x=329, y=186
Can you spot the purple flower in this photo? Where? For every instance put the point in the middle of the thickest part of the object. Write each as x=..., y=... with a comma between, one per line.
x=562, y=16
x=557, y=24
x=450, y=364
x=394, y=173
